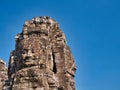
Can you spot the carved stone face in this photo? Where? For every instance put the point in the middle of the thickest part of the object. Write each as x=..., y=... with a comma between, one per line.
x=29, y=62
x=28, y=58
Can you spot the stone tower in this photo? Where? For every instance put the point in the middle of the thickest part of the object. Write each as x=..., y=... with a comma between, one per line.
x=41, y=59
x=3, y=73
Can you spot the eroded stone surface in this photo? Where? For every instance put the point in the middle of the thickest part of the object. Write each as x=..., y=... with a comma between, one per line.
x=3, y=73
x=41, y=59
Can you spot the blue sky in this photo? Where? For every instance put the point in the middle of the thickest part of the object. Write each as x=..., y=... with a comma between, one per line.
x=92, y=28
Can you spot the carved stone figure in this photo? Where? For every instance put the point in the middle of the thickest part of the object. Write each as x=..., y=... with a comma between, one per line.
x=41, y=59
